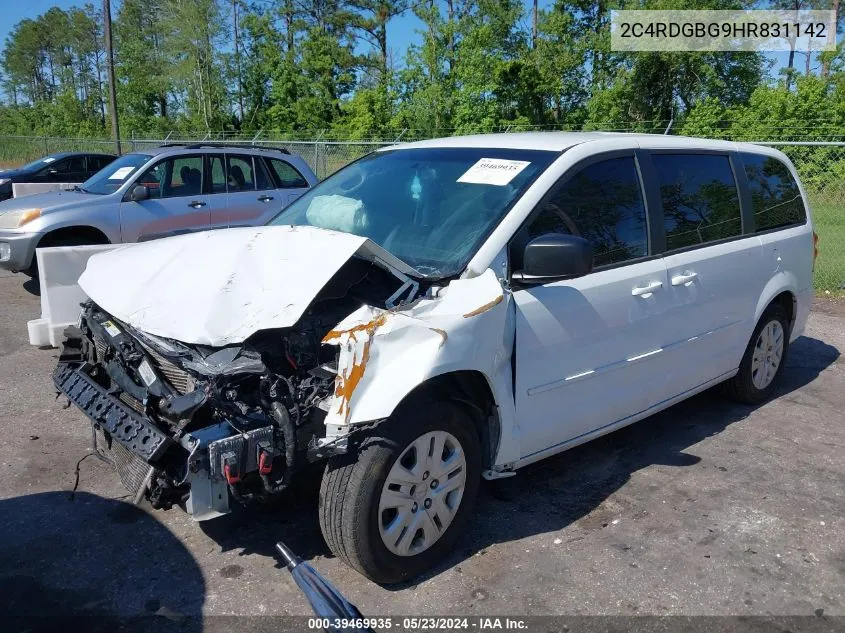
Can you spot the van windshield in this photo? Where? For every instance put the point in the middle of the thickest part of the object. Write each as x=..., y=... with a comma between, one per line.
x=112, y=177
x=430, y=207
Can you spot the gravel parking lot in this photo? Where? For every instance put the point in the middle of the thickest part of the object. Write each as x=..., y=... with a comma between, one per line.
x=707, y=508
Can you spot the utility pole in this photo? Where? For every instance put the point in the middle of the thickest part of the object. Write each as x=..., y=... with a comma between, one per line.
x=115, y=128
x=534, y=26
x=238, y=61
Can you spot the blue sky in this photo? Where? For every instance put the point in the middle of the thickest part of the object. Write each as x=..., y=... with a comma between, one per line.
x=400, y=33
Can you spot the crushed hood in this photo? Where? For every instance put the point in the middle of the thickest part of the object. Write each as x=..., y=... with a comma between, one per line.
x=219, y=287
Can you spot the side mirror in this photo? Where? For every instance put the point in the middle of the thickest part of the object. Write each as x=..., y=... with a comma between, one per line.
x=53, y=172
x=139, y=193
x=554, y=257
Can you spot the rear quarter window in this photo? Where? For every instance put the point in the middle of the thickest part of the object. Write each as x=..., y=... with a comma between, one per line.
x=775, y=197
x=288, y=176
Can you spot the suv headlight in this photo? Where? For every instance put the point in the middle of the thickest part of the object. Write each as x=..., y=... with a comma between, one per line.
x=17, y=218
x=3, y=181
x=5, y=251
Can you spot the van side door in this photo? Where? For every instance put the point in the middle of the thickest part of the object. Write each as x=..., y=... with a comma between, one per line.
x=588, y=351
x=715, y=265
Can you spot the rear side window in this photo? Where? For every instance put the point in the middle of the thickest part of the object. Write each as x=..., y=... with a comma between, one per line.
x=700, y=198
x=289, y=178
x=775, y=197
x=602, y=203
x=239, y=176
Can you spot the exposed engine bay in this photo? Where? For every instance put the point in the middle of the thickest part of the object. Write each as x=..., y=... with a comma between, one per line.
x=190, y=425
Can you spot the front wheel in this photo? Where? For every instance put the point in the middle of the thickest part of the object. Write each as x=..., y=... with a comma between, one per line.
x=394, y=507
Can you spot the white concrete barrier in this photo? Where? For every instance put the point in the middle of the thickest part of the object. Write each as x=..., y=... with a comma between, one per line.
x=28, y=188
x=59, y=269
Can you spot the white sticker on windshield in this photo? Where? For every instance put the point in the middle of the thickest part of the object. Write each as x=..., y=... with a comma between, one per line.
x=493, y=171
x=49, y=159
x=121, y=173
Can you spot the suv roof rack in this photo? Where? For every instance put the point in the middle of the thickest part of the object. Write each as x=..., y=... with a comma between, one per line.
x=214, y=145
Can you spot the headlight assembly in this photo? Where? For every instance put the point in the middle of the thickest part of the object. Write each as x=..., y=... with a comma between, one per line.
x=17, y=218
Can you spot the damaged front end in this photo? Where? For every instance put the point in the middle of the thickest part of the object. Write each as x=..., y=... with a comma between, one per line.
x=193, y=424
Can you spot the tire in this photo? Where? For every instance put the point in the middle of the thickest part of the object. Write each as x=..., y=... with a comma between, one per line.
x=355, y=497
x=755, y=381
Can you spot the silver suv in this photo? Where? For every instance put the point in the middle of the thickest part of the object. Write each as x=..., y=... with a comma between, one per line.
x=154, y=193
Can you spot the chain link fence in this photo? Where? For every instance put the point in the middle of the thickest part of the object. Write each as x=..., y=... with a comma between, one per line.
x=821, y=165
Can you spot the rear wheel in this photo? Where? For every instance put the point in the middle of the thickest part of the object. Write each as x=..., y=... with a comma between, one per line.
x=394, y=508
x=763, y=359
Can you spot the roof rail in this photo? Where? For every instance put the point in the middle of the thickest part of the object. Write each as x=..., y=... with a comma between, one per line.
x=213, y=145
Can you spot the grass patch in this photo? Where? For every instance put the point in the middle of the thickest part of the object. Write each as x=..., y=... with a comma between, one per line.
x=829, y=221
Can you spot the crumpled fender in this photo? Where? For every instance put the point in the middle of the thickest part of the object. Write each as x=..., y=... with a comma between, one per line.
x=386, y=354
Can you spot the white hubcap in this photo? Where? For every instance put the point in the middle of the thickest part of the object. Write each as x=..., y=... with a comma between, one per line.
x=767, y=353
x=422, y=493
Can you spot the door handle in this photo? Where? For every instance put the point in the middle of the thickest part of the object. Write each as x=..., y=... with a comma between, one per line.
x=646, y=291
x=684, y=280
x=196, y=204
x=265, y=198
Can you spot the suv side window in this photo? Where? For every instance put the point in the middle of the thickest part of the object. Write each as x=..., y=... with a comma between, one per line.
x=174, y=177
x=153, y=177
x=603, y=203
x=700, y=198
x=287, y=175
x=775, y=197
x=185, y=177
x=239, y=176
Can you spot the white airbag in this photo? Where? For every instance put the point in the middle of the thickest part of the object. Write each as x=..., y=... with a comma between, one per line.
x=337, y=213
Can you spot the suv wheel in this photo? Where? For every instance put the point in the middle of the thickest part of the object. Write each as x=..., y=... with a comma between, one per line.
x=394, y=508
x=763, y=359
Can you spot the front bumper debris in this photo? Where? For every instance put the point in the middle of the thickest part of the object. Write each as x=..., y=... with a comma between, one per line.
x=109, y=414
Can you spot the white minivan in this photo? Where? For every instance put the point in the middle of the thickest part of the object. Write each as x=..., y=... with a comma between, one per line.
x=435, y=313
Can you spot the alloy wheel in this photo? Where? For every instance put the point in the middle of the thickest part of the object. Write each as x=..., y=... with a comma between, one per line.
x=767, y=354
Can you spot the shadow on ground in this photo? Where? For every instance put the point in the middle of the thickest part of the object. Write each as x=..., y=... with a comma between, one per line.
x=32, y=286
x=93, y=564
x=551, y=494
